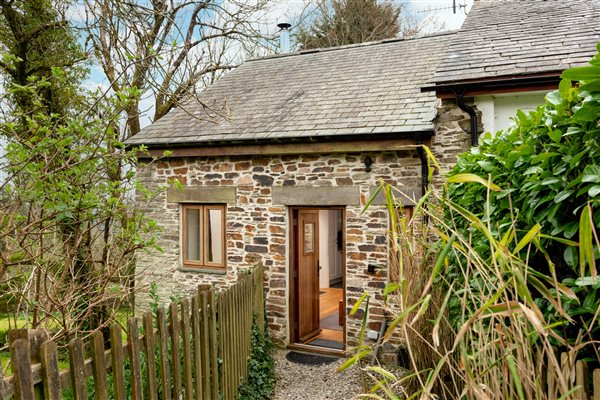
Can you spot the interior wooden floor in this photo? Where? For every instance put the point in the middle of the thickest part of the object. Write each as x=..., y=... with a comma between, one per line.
x=329, y=305
x=329, y=334
x=329, y=301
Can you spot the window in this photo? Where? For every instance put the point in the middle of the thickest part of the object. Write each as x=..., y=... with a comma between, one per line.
x=203, y=235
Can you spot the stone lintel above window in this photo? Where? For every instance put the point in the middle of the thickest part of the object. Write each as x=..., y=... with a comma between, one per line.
x=316, y=196
x=213, y=195
x=407, y=196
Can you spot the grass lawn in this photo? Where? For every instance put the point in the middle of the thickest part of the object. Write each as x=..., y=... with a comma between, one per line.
x=5, y=323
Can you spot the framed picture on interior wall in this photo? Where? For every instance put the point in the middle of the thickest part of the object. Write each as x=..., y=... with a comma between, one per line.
x=309, y=238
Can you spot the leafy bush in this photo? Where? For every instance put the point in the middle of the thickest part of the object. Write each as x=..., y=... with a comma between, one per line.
x=548, y=167
x=261, y=367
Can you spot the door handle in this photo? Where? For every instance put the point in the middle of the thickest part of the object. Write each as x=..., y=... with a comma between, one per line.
x=320, y=268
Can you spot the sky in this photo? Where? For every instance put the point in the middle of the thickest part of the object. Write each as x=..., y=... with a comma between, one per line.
x=443, y=10
x=287, y=10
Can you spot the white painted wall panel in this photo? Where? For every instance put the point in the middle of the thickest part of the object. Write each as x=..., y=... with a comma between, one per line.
x=498, y=110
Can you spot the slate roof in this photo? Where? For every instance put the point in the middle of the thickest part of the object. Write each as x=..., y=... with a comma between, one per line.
x=366, y=89
x=517, y=37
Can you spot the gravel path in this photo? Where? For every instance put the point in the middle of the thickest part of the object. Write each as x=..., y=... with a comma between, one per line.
x=313, y=382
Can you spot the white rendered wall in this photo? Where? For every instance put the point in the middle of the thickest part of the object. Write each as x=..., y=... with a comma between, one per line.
x=324, y=248
x=330, y=259
x=497, y=110
x=335, y=219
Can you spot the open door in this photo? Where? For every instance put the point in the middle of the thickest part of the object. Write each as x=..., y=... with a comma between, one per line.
x=308, y=274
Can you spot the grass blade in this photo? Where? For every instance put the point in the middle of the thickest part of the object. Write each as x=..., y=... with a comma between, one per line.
x=358, y=303
x=472, y=178
x=512, y=366
x=586, y=244
x=533, y=232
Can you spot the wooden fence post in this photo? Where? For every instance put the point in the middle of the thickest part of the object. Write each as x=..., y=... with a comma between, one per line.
x=21, y=368
x=581, y=380
x=224, y=331
x=238, y=327
x=34, y=339
x=187, y=349
x=221, y=355
x=163, y=340
x=247, y=315
x=99, y=366
x=116, y=347
x=175, y=349
x=76, y=360
x=149, y=347
x=218, y=327
x=213, y=345
x=1, y=382
x=259, y=302
x=197, y=339
x=50, y=372
x=596, y=380
x=206, y=360
x=134, y=359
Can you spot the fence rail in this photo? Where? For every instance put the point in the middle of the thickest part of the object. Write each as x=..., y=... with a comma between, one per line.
x=198, y=349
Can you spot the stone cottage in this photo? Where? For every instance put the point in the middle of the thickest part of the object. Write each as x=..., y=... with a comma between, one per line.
x=279, y=157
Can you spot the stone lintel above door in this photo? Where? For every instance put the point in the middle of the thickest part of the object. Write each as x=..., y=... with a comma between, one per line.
x=316, y=196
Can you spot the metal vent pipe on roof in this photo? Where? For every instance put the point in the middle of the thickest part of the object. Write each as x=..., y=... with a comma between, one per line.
x=284, y=37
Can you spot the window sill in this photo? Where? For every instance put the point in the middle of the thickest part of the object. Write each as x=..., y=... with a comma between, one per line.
x=204, y=270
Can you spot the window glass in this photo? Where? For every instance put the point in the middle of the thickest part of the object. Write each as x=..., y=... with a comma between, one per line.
x=214, y=236
x=193, y=234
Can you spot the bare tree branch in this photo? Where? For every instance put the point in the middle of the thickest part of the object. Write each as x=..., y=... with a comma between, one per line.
x=166, y=48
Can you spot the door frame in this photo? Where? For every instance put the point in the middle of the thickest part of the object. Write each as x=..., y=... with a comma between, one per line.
x=294, y=339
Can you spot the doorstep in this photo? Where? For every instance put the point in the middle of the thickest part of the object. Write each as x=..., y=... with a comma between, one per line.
x=317, y=350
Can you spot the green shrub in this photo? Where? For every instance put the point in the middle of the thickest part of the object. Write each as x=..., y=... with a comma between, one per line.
x=261, y=367
x=548, y=167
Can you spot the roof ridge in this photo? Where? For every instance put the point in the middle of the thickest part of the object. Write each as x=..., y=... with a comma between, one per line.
x=351, y=46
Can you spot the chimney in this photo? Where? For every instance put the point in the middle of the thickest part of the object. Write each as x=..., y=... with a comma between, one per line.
x=284, y=37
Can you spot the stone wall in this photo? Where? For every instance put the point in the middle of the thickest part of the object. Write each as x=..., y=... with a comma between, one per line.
x=257, y=229
x=452, y=132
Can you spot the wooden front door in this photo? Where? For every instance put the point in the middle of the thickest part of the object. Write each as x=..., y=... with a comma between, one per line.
x=308, y=274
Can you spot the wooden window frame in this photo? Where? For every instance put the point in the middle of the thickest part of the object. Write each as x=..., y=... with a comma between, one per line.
x=203, y=227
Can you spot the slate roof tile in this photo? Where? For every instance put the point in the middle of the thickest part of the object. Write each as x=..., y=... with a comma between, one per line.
x=375, y=87
x=349, y=90
x=514, y=37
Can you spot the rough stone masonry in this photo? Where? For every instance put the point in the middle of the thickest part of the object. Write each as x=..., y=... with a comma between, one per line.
x=257, y=227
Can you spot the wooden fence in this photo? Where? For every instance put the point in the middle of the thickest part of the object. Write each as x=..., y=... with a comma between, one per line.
x=578, y=382
x=198, y=349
